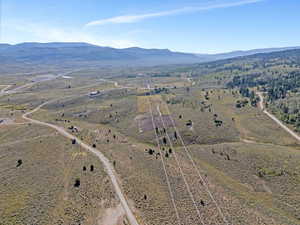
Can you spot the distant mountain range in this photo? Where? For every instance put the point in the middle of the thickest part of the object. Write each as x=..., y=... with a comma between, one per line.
x=87, y=54
x=68, y=55
x=234, y=54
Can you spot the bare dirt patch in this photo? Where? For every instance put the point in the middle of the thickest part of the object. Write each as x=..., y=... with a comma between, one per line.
x=144, y=101
x=113, y=216
x=145, y=123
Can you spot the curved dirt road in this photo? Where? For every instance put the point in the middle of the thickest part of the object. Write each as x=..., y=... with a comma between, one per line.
x=261, y=105
x=107, y=165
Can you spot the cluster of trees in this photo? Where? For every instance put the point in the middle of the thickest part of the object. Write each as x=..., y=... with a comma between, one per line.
x=279, y=87
x=241, y=103
x=250, y=80
x=293, y=119
x=167, y=152
x=244, y=83
x=161, y=90
x=289, y=112
x=245, y=92
x=249, y=96
x=218, y=122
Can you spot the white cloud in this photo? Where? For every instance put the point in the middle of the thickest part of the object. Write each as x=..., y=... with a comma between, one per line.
x=17, y=32
x=137, y=18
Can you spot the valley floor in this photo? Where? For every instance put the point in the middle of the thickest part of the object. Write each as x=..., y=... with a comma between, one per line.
x=136, y=154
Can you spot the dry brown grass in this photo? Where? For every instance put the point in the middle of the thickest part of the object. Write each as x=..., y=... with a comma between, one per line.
x=41, y=190
x=144, y=104
x=245, y=198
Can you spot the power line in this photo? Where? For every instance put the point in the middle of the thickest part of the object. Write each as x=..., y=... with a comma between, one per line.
x=164, y=166
x=181, y=170
x=197, y=170
x=194, y=166
x=179, y=167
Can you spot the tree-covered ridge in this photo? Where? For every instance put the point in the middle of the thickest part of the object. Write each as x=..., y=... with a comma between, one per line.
x=282, y=85
x=251, y=64
x=276, y=87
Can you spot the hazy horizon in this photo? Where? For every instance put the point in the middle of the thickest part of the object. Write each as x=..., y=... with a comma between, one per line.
x=208, y=27
x=204, y=53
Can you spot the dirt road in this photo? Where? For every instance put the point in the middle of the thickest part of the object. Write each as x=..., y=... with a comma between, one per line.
x=107, y=165
x=5, y=88
x=4, y=91
x=261, y=105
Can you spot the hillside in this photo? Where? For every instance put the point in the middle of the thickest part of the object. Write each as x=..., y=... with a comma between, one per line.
x=257, y=63
x=26, y=57
x=236, y=54
x=216, y=153
x=82, y=54
x=277, y=74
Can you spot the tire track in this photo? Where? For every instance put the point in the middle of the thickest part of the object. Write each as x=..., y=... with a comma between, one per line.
x=193, y=173
x=107, y=165
x=182, y=195
x=196, y=169
x=164, y=166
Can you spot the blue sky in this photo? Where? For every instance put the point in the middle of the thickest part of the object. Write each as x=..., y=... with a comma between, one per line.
x=201, y=26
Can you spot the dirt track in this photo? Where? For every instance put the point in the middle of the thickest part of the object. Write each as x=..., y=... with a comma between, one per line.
x=5, y=88
x=261, y=105
x=107, y=165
